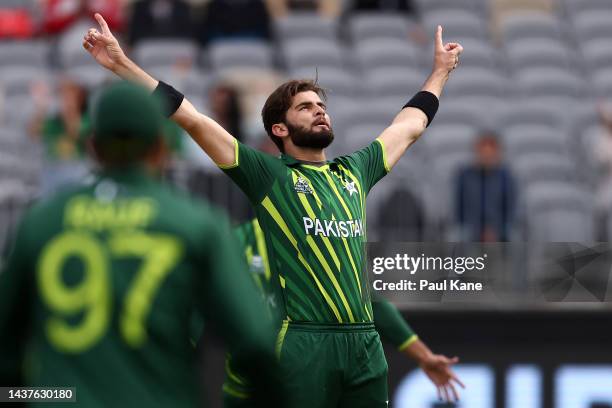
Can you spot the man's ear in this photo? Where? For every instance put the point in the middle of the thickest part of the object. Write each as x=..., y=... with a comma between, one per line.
x=280, y=130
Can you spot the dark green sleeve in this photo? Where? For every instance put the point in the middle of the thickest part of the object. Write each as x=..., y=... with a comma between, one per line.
x=228, y=297
x=391, y=325
x=253, y=171
x=370, y=162
x=14, y=310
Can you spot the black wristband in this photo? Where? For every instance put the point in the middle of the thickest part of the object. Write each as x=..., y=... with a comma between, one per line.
x=171, y=98
x=425, y=101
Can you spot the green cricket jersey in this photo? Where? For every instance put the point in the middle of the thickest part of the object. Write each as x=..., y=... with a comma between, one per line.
x=313, y=222
x=100, y=286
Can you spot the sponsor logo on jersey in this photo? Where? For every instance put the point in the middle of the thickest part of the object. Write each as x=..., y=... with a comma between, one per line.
x=333, y=228
x=350, y=187
x=302, y=186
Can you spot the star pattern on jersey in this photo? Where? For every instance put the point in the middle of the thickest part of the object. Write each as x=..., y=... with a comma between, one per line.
x=350, y=187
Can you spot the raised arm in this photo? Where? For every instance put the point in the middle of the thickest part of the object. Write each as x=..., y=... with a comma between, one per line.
x=207, y=133
x=410, y=123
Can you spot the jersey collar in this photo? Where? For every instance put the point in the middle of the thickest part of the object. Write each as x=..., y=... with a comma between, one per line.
x=292, y=161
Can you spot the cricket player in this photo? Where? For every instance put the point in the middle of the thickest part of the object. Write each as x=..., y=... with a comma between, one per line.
x=99, y=288
x=312, y=212
x=387, y=320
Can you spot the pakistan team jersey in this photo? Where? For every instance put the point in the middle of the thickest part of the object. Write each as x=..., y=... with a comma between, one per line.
x=100, y=287
x=313, y=222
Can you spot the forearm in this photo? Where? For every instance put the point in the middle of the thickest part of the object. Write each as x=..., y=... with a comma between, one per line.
x=391, y=325
x=418, y=351
x=128, y=70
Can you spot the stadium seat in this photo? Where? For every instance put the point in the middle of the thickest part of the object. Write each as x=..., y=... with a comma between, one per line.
x=450, y=138
x=165, y=52
x=558, y=212
x=454, y=111
x=531, y=25
x=576, y=6
x=383, y=52
x=478, y=54
x=536, y=167
x=598, y=53
x=529, y=113
x=305, y=25
x=233, y=54
x=602, y=82
x=549, y=82
x=376, y=25
x=477, y=82
x=90, y=76
x=16, y=81
x=428, y=6
x=23, y=53
x=337, y=82
x=393, y=82
x=522, y=139
x=593, y=24
x=304, y=53
x=536, y=53
x=458, y=25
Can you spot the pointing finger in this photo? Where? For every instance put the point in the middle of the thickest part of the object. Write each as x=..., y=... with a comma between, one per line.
x=102, y=23
x=439, y=43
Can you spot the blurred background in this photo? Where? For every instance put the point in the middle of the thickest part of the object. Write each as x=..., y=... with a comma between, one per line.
x=521, y=150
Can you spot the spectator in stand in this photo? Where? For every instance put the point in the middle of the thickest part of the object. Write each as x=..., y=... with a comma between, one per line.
x=59, y=15
x=224, y=105
x=160, y=18
x=602, y=155
x=485, y=195
x=326, y=8
x=235, y=19
x=62, y=135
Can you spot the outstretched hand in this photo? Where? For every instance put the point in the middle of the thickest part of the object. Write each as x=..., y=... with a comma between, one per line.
x=446, y=56
x=103, y=46
x=438, y=369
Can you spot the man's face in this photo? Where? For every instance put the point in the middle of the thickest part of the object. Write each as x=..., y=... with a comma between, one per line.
x=308, y=122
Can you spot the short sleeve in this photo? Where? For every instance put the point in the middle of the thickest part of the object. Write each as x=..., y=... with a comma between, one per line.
x=253, y=171
x=371, y=163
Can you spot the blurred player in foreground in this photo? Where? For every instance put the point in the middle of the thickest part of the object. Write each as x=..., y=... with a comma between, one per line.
x=387, y=319
x=102, y=280
x=312, y=212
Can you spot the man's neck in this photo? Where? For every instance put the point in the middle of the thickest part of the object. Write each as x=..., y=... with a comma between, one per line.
x=304, y=154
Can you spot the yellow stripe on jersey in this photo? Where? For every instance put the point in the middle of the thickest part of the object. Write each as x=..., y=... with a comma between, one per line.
x=269, y=206
x=350, y=255
x=408, y=342
x=384, y=155
x=335, y=189
x=361, y=192
x=230, y=373
x=312, y=215
x=236, y=162
x=261, y=248
x=320, y=256
x=281, y=338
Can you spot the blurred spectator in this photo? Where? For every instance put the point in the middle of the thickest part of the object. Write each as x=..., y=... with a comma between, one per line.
x=325, y=8
x=235, y=19
x=485, y=195
x=159, y=19
x=405, y=6
x=15, y=23
x=602, y=153
x=59, y=15
x=499, y=9
x=225, y=109
x=63, y=135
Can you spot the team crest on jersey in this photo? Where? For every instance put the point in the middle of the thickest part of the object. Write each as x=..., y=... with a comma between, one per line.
x=302, y=186
x=350, y=187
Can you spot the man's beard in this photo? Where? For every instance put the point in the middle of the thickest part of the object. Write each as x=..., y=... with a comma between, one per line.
x=303, y=137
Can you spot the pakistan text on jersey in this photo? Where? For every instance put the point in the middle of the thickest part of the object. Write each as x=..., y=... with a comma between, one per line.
x=333, y=228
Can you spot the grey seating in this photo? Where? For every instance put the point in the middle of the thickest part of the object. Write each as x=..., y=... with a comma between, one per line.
x=312, y=53
x=164, y=52
x=477, y=82
x=23, y=53
x=358, y=136
x=386, y=52
x=305, y=25
x=576, y=6
x=18, y=111
x=337, y=82
x=593, y=24
x=90, y=76
x=598, y=53
x=549, y=82
x=240, y=54
x=370, y=25
x=458, y=25
x=536, y=53
x=16, y=81
x=533, y=25
x=558, y=212
x=535, y=167
x=522, y=139
x=478, y=54
x=393, y=82
x=428, y=6
x=455, y=112
x=529, y=113
x=602, y=83
x=443, y=139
